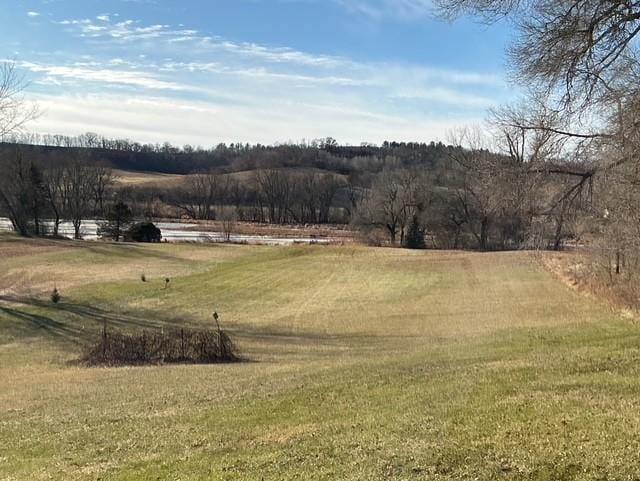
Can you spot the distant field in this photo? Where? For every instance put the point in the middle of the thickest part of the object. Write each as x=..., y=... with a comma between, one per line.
x=129, y=177
x=362, y=364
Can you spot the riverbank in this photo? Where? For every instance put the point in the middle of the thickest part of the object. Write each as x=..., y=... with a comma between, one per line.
x=243, y=233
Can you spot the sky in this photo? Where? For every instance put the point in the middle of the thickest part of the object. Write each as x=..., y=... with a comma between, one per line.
x=201, y=72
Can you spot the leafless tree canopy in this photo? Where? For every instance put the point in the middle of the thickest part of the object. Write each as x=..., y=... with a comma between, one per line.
x=15, y=110
x=395, y=198
x=581, y=50
x=488, y=10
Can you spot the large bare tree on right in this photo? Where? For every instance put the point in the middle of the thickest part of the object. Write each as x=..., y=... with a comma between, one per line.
x=579, y=62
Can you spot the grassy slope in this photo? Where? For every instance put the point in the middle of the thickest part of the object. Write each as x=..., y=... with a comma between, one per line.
x=135, y=178
x=366, y=364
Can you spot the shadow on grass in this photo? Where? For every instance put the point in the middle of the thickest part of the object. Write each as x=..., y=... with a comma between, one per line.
x=76, y=326
x=132, y=251
x=75, y=323
x=101, y=248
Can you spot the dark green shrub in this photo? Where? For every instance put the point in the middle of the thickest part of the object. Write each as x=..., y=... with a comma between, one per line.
x=143, y=232
x=55, y=295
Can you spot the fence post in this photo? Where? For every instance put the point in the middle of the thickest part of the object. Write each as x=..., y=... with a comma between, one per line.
x=104, y=339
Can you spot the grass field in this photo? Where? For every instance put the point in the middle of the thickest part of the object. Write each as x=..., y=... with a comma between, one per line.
x=156, y=179
x=360, y=364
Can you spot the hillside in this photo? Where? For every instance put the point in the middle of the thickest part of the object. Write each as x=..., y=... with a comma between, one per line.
x=167, y=159
x=360, y=364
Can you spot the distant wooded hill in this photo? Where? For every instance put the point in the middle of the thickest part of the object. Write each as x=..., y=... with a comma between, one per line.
x=326, y=155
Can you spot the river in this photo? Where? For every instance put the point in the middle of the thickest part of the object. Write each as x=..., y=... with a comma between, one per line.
x=178, y=232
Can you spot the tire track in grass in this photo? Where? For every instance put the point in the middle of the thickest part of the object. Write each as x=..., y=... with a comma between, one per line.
x=312, y=298
x=242, y=282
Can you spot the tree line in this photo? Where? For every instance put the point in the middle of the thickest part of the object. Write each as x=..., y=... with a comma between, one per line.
x=471, y=198
x=325, y=154
x=31, y=192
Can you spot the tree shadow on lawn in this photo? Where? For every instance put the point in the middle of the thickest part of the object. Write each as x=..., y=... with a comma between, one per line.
x=278, y=335
x=80, y=325
x=104, y=249
x=132, y=251
x=64, y=322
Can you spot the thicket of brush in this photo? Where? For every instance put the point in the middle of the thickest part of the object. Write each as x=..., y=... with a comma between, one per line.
x=177, y=346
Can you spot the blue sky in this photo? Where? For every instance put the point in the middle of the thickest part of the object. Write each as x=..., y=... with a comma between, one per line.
x=202, y=72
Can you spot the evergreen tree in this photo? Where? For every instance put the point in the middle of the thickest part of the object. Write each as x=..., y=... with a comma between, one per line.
x=119, y=217
x=37, y=196
x=415, y=235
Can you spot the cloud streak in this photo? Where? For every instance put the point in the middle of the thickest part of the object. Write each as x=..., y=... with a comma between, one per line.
x=101, y=75
x=131, y=31
x=155, y=119
x=156, y=82
x=385, y=9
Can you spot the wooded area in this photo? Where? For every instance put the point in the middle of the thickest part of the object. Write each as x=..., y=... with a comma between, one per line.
x=461, y=197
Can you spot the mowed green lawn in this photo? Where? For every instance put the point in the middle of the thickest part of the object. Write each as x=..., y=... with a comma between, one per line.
x=359, y=364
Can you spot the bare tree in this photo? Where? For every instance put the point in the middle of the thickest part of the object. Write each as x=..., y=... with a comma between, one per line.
x=275, y=191
x=306, y=198
x=328, y=187
x=228, y=217
x=21, y=193
x=355, y=194
x=199, y=196
x=15, y=110
x=393, y=200
x=55, y=193
x=79, y=181
x=314, y=197
x=104, y=179
x=21, y=183
x=580, y=61
x=481, y=195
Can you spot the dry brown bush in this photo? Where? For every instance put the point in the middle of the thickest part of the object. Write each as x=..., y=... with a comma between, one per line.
x=165, y=347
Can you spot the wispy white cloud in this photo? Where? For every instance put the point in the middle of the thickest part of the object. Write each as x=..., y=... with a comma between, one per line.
x=186, y=86
x=274, y=54
x=443, y=95
x=381, y=9
x=131, y=31
x=88, y=72
x=204, y=46
x=33, y=14
x=259, y=73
